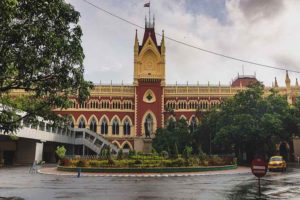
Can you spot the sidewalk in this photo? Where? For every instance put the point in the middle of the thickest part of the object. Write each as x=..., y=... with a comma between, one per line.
x=53, y=171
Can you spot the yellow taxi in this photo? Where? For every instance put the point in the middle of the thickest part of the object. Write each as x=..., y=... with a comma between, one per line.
x=277, y=163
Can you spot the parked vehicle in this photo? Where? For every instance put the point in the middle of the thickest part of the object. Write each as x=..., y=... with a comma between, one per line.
x=277, y=163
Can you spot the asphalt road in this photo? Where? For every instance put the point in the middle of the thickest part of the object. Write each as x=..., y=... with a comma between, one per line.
x=17, y=183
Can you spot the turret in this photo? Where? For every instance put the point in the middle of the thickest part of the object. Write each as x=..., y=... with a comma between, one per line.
x=275, y=83
x=287, y=80
x=162, y=44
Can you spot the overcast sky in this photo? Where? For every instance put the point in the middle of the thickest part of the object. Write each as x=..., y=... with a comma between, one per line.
x=263, y=31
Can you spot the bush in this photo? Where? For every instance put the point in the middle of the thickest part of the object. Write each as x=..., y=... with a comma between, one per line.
x=82, y=163
x=65, y=162
x=120, y=154
x=216, y=161
x=94, y=163
x=138, y=162
x=176, y=154
x=111, y=162
x=193, y=161
x=179, y=162
x=165, y=154
x=187, y=152
x=131, y=153
x=166, y=163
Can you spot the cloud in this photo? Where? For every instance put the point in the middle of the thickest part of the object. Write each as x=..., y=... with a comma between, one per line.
x=261, y=9
x=264, y=31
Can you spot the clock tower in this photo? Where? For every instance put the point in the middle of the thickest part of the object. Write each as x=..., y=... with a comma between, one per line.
x=149, y=82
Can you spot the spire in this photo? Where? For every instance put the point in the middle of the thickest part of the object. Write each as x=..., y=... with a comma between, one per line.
x=136, y=41
x=275, y=84
x=287, y=79
x=162, y=44
x=297, y=84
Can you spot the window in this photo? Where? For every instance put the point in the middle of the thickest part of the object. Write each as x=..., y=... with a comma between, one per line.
x=81, y=123
x=116, y=104
x=104, y=127
x=126, y=127
x=182, y=104
x=115, y=127
x=127, y=105
x=93, y=125
x=104, y=104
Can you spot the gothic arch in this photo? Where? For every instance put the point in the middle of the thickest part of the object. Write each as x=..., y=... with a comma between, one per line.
x=91, y=117
x=79, y=118
x=183, y=117
x=115, y=117
x=127, y=117
x=150, y=50
x=172, y=117
x=115, y=142
x=73, y=121
x=149, y=112
x=104, y=127
x=128, y=143
x=103, y=117
x=191, y=118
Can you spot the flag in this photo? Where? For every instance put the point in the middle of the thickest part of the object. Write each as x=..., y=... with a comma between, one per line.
x=147, y=4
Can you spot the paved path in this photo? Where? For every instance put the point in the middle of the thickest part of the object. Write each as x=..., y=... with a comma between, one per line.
x=53, y=171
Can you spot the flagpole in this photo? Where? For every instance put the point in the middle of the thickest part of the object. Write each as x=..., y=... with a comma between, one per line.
x=149, y=13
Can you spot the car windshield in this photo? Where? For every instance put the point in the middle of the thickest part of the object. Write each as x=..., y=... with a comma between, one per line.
x=276, y=159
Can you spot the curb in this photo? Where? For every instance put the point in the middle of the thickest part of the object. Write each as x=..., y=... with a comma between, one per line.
x=145, y=175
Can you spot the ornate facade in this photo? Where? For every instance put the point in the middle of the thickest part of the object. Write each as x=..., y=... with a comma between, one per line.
x=128, y=114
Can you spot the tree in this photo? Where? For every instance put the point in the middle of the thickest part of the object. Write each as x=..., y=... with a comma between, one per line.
x=40, y=53
x=175, y=133
x=60, y=151
x=251, y=123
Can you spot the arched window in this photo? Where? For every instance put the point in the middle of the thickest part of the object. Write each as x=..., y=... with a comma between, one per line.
x=93, y=125
x=104, y=127
x=193, y=124
x=126, y=127
x=81, y=123
x=115, y=127
x=148, y=124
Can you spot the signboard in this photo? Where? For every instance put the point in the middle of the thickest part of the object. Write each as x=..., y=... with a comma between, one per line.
x=259, y=167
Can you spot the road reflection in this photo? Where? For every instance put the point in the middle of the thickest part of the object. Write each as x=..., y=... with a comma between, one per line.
x=275, y=185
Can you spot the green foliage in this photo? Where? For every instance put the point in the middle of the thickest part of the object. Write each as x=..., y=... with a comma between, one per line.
x=120, y=154
x=165, y=154
x=179, y=162
x=175, y=132
x=138, y=162
x=82, y=163
x=40, y=53
x=60, y=151
x=176, y=154
x=132, y=153
x=252, y=123
x=187, y=152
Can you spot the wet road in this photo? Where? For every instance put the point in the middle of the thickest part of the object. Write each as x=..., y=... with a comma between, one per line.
x=17, y=182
